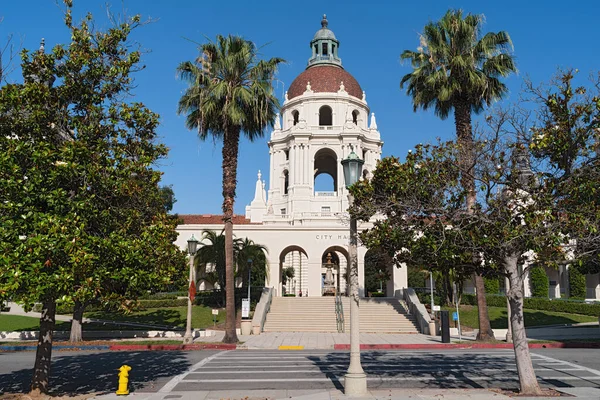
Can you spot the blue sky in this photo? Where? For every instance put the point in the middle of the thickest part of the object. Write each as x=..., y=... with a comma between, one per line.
x=546, y=34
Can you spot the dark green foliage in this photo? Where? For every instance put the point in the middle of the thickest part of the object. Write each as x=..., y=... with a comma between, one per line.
x=416, y=277
x=492, y=285
x=377, y=270
x=577, y=288
x=539, y=283
x=538, y=303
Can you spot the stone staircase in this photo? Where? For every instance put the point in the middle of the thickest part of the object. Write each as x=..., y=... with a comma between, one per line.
x=317, y=314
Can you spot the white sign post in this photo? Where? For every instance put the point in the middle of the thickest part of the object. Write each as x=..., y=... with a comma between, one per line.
x=245, y=308
x=215, y=312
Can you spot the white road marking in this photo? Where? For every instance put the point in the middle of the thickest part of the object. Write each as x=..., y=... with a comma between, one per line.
x=168, y=387
x=550, y=359
x=386, y=379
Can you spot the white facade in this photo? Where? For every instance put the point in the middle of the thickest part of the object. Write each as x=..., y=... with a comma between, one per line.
x=319, y=126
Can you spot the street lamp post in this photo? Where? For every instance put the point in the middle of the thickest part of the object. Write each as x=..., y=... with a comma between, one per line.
x=192, y=247
x=355, y=380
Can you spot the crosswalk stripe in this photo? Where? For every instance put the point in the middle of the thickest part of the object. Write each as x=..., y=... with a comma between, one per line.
x=385, y=379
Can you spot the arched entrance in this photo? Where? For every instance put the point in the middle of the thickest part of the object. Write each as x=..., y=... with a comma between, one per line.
x=378, y=274
x=293, y=272
x=335, y=259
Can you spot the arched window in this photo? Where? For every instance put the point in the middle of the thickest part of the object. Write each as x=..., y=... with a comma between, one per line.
x=286, y=181
x=325, y=116
x=355, y=117
x=296, y=116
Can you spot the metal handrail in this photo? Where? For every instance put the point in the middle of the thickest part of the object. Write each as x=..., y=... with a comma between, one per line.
x=339, y=313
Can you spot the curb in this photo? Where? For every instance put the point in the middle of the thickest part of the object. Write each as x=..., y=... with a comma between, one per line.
x=59, y=347
x=433, y=346
x=127, y=347
x=159, y=347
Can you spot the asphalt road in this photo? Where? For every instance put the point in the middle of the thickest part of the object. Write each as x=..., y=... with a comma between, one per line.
x=174, y=371
x=89, y=372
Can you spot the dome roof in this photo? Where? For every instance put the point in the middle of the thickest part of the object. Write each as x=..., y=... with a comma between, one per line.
x=324, y=79
x=324, y=33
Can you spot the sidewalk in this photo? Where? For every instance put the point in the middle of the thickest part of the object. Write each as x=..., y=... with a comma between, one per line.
x=380, y=394
x=319, y=341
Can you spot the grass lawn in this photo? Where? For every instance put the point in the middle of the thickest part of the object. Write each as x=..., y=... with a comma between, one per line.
x=176, y=317
x=10, y=323
x=498, y=317
x=173, y=316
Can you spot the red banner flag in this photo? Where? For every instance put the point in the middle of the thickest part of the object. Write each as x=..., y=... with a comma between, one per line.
x=192, y=292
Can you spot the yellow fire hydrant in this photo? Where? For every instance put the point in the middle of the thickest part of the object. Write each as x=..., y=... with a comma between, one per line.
x=123, y=379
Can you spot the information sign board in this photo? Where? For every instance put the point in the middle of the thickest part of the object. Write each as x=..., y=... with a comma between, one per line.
x=245, y=308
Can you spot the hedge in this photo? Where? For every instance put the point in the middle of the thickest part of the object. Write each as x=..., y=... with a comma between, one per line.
x=538, y=281
x=539, y=303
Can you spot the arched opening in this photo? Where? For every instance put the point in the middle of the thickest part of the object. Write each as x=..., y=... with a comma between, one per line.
x=296, y=117
x=325, y=170
x=334, y=271
x=365, y=175
x=378, y=273
x=293, y=272
x=325, y=116
x=355, y=117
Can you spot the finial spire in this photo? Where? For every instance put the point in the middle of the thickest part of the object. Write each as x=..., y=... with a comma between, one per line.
x=324, y=21
x=42, y=46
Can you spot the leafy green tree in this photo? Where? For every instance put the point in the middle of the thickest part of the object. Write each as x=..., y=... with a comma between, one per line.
x=538, y=280
x=168, y=197
x=81, y=216
x=377, y=270
x=457, y=69
x=230, y=93
x=492, y=285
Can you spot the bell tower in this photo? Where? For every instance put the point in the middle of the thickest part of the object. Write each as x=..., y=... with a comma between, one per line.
x=323, y=118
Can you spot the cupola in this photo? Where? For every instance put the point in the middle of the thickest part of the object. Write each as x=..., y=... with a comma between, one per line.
x=324, y=46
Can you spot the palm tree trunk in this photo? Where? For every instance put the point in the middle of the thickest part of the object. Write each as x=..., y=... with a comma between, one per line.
x=527, y=379
x=230, y=157
x=76, y=323
x=43, y=355
x=464, y=132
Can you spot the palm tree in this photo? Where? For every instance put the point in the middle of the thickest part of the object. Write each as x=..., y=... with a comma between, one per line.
x=456, y=69
x=230, y=92
x=257, y=254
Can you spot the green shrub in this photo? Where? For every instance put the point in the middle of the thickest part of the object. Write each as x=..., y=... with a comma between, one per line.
x=416, y=277
x=290, y=295
x=377, y=294
x=492, y=285
x=538, y=280
x=161, y=296
x=577, y=287
x=538, y=303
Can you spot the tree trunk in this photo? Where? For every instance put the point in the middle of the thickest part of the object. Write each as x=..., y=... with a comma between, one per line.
x=76, y=328
x=527, y=379
x=43, y=356
x=230, y=158
x=464, y=133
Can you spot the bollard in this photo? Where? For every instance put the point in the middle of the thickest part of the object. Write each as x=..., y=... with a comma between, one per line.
x=123, y=379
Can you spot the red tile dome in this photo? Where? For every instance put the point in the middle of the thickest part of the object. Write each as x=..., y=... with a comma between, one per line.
x=324, y=79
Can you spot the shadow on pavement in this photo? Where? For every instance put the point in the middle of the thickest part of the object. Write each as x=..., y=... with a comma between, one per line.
x=444, y=371
x=97, y=372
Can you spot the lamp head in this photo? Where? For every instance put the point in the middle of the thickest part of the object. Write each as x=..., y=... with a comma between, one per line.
x=192, y=245
x=352, y=166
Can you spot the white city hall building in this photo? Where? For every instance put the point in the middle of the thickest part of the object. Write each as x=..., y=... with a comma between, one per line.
x=325, y=116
